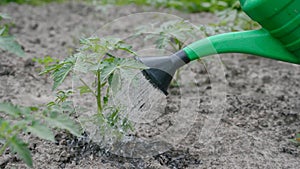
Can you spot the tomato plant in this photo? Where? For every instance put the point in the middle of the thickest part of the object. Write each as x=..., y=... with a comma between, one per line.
x=95, y=58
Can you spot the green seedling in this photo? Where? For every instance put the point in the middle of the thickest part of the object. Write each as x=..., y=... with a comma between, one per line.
x=45, y=61
x=7, y=42
x=97, y=57
x=17, y=120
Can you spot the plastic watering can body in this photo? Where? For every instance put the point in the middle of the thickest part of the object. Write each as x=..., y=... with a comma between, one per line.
x=278, y=39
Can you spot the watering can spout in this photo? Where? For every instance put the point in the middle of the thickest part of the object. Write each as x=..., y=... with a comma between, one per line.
x=162, y=69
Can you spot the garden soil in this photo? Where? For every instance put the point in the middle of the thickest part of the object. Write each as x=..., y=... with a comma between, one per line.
x=244, y=115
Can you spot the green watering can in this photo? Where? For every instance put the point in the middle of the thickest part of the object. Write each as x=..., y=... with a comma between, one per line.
x=278, y=39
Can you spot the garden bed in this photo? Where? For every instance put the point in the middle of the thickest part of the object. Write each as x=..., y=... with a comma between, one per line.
x=259, y=115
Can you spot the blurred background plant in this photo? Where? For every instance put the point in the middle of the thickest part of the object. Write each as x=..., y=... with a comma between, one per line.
x=228, y=11
x=17, y=121
x=182, y=5
x=7, y=42
x=30, y=2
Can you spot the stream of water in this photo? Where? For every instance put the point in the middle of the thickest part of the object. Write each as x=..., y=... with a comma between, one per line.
x=143, y=104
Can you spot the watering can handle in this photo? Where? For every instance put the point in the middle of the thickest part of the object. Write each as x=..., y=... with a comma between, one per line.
x=256, y=42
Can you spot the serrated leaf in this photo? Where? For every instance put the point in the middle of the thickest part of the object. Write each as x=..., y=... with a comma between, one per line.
x=128, y=74
x=41, y=131
x=64, y=122
x=115, y=82
x=10, y=109
x=9, y=44
x=21, y=149
x=107, y=70
x=84, y=63
x=113, y=64
x=61, y=73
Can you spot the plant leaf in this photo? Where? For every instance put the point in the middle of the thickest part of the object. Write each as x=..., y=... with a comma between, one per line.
x=21, y=149
x=10, y=109
x=4, y=16
x=64, y=122
x=4, y=126
x=115, y=81
x=61, y=73
x=110, y=65
x=2, y=30
x=107, y=69
x=49, y=69
x=129, y=63
x=41, y=131
x=9, y=44
x=113, y=117
x=126, y=48
x=162, y=42
x=68, y=106
x=84, y=89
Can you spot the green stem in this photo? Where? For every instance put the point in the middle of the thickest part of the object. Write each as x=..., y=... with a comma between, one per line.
x=99, y=93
